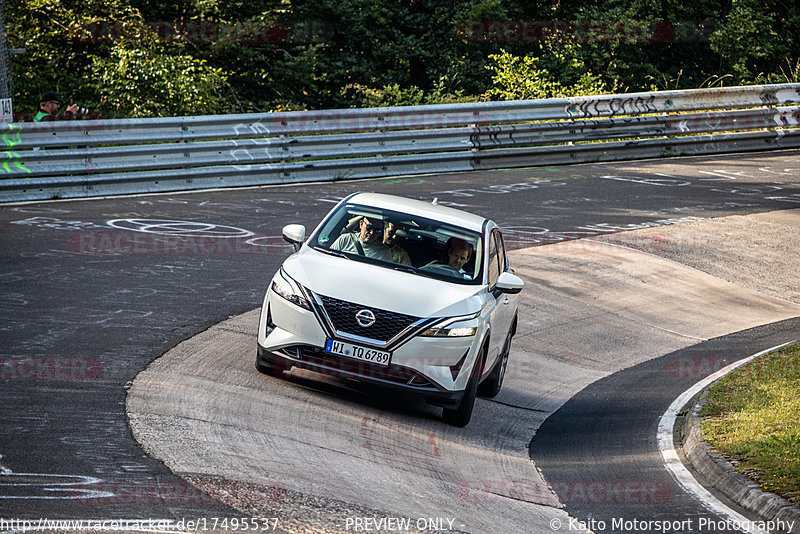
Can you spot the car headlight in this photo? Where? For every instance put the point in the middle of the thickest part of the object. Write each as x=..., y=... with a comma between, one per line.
x=464, y=326
x=284, y=286
x=449, y=332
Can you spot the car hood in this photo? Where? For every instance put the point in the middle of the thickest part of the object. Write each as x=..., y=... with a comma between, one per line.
x=383, y=288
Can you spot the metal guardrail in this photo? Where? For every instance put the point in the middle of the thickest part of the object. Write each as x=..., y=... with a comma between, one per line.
x=72, y=159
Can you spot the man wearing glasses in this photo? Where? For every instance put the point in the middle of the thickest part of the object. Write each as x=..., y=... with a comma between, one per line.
x=48, y=108
x=367, y=242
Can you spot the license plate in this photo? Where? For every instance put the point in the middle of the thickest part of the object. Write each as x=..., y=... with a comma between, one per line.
x=348, y=350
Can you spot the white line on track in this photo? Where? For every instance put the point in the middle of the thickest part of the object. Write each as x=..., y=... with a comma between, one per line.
x=724, y=174
x=673, y=462
x=3, y=469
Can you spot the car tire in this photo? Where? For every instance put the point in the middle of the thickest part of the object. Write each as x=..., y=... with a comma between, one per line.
x=270, y=368
x=490, y=387
x=461, y=414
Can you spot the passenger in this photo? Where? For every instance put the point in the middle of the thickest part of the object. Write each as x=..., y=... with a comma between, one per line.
x=399, y=254
x=367, y=242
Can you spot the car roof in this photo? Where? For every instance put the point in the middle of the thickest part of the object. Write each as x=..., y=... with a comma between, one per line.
x=421, y=208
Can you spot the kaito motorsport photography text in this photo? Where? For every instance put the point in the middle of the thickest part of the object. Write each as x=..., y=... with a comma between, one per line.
x=702, y=524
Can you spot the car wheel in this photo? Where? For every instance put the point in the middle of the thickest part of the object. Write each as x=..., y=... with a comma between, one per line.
x=461, y=415
x=491, y=386
x=270, y=368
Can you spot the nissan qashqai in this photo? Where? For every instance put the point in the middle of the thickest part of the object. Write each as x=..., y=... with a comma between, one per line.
x=399, y=292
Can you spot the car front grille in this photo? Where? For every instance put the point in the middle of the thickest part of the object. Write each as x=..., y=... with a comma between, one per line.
x=343, y=318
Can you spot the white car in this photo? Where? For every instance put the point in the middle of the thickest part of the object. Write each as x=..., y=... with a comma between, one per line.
x=398, y=292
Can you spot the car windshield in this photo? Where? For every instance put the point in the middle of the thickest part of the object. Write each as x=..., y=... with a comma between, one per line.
x=401, y=241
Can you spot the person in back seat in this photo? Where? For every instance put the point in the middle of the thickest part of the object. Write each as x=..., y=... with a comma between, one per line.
x=399, y=254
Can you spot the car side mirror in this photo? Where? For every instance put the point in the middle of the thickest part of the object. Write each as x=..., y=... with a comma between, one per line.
x=294, y=234
x=509, y=283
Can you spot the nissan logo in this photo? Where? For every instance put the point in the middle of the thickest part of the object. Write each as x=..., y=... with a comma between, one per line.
x=365, y=318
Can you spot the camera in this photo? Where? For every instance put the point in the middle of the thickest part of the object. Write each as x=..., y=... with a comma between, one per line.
x=79, y=110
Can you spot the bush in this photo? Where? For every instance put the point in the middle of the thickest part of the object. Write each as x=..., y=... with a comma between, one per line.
x=143, y=82
x=521, y=78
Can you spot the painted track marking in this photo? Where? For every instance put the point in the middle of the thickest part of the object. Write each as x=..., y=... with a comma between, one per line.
x=673, y=463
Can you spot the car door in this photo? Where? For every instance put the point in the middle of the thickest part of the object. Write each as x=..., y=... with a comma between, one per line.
x=509, y=302
x=503, y=307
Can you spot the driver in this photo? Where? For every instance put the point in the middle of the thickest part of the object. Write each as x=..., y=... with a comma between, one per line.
x=458, y=253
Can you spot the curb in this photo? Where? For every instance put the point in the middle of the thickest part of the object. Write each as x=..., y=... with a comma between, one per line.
x=720, y=474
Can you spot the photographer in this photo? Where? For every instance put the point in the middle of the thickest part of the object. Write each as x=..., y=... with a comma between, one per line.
x=48, y=108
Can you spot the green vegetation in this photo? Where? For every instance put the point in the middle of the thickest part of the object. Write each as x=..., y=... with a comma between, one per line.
x=753, y=416
x=519, y=78
x=135, y=58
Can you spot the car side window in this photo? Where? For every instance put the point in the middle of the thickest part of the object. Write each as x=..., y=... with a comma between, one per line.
x=494, y=261
x=501, y=251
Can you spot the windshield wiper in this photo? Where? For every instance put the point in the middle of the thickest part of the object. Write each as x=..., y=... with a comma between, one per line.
x=404, y=268
x=333, y=252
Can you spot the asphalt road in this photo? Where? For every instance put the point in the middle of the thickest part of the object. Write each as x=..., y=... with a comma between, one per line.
x=94, y=290
x=615, y=476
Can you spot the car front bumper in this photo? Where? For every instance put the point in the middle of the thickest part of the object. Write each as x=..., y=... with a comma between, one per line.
x=436, y=368
x=392, y=376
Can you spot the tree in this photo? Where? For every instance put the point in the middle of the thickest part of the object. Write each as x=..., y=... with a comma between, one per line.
x=144, y=82
x=125, y=58
x=756, y=37
x=102, y=54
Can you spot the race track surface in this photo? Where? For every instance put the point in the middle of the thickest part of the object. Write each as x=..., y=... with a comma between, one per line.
x=625, y=263
x=600, y=308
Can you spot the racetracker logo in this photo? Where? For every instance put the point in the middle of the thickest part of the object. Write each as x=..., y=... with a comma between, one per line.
x=695, y=367
x=566, y=492
x=202, y=31
x=630, y=492
x=585, y=242
x=583, y=31
x=122, y=243
x=401, y=443
x=699, y=367
x=495, y=491
x=50, y=368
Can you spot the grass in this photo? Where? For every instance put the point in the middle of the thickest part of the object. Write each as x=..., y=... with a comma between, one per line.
x=752, y=416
